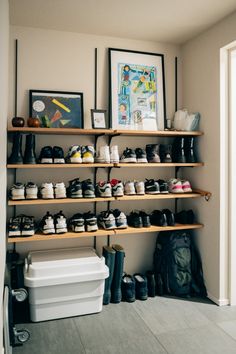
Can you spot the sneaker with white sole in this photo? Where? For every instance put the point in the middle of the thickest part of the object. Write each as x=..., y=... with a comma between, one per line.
x=74, y=154
x=128, y=156
x=151, y=186
x=14, y=226
x=129, y=188
x=121, y=220
x=107, y=220
x=163, y=186
x=141, y=155
x=27, y=226
x=60, y=190
x=88, y=153
x=47, y=191
x=103, y=189
x=31, y=191
x=47, y=224
x=77, y=223
x=58, y=154
x=88, y=189
x=175, y=186
x=186, y=186
x=75, y=189
x=139, y=187
x=114, y=154
x=60, y=223
x=104, y=155
x=117, y=188
x=17, y=191
x=90, y=222
x=46, y=155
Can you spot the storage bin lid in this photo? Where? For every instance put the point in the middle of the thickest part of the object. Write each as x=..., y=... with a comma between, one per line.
x=63, y=266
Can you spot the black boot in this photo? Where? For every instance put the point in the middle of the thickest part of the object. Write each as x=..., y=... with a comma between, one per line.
x=118, y=272
x=30, y=157
x=151, y=282
x=109, y=255
x=152, y=151
x=16, y=154
x=179, y=150
x=189, y=150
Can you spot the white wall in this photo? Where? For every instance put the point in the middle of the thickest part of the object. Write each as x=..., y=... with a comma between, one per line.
x=201, y=92
x=56, y=60
x=4, y=40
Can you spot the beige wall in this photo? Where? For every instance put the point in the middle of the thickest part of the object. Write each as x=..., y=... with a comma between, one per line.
x=201, y=92
x=65, y=61
x=4, y=39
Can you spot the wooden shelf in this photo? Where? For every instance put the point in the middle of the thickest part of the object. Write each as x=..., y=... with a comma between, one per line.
x=134, y=230
x=94, y=165
x=58, y=165
x=160, y=133
x=129, y=230
x=195, y=194
x=58, y=201
x=78, y=131
x=62, y=131
x=160, y=164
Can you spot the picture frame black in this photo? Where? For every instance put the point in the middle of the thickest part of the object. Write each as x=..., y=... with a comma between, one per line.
x=57, y=109
x=145, y=108
x=99, y=119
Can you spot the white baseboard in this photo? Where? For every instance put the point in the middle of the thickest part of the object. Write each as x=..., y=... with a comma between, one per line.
x=219, y=302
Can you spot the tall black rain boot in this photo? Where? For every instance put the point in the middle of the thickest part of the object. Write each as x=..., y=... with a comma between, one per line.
x=189, y=150
x=116, y=294
x=30, y=157
x=16, y=154
x=109, y=254
x=178, y=150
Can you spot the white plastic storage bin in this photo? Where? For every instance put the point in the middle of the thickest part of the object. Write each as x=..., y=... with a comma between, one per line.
x=64, y=283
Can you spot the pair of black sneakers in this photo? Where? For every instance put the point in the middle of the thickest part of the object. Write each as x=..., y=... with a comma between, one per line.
x=139, y=219
x=21, y=225
x=81, y=189
x=51, y=154
x=83, y=222
x=163, y=217
x=138, y=286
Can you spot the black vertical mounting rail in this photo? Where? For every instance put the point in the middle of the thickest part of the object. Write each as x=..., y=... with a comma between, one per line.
x=176, y=84
x=95, y=77
x=176, y=199
x=16, y=76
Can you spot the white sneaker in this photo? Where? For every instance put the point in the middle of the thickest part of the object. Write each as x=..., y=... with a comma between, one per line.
x=60, y=190
x=60, y=223
x=114, y=154
x=103, y=189
x=117, y=188
x=31, y=191
x=140, y=187
x=175, y=186
x=47, y=191
x=17, y=191
x=104, y=155
x=129, y=188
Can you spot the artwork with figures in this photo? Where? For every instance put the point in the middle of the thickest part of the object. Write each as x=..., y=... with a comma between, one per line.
x=137, y=97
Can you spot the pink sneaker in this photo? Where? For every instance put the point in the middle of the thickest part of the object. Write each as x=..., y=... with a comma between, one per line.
x=186, y=186
x=175, y=186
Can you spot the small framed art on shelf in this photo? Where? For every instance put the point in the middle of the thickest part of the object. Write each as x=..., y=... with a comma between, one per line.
x=57, y=109
x=99, y=119
x=137, y=90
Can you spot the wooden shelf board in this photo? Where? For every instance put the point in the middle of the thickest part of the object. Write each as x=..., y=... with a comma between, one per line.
x=134, y=230
x=58, y=201
x=78, y=131
x=66, y=165
x=62, y=131
x=158, y=133
x=172, y=164
x=41, y=237
x=158, y=196
x=129, y=230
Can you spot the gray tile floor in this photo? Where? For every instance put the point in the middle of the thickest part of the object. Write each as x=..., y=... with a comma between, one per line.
x=158, y=325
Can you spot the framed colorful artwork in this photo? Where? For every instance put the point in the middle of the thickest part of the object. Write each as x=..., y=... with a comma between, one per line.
x=137, y=90
x=57, y=109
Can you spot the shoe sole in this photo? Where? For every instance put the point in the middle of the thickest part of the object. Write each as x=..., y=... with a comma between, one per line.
x=118, y=195
x=115, y=161
x=46, y=161
x=31, y=197
x=88, y=160
x=142, y=160
x=122, y=227
x=90, y=196
x=76, y=196
x=48, y=197
x=129, y=160
x=59, y=161
x=61, y=231
x=79, y=229
x=14, y=233
x=75, y=160
x=105, y=195
x=155, y=192
x=18, y=198
x=49, y=231
x=27, y=233
x=60, y=196
x=92, y=228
